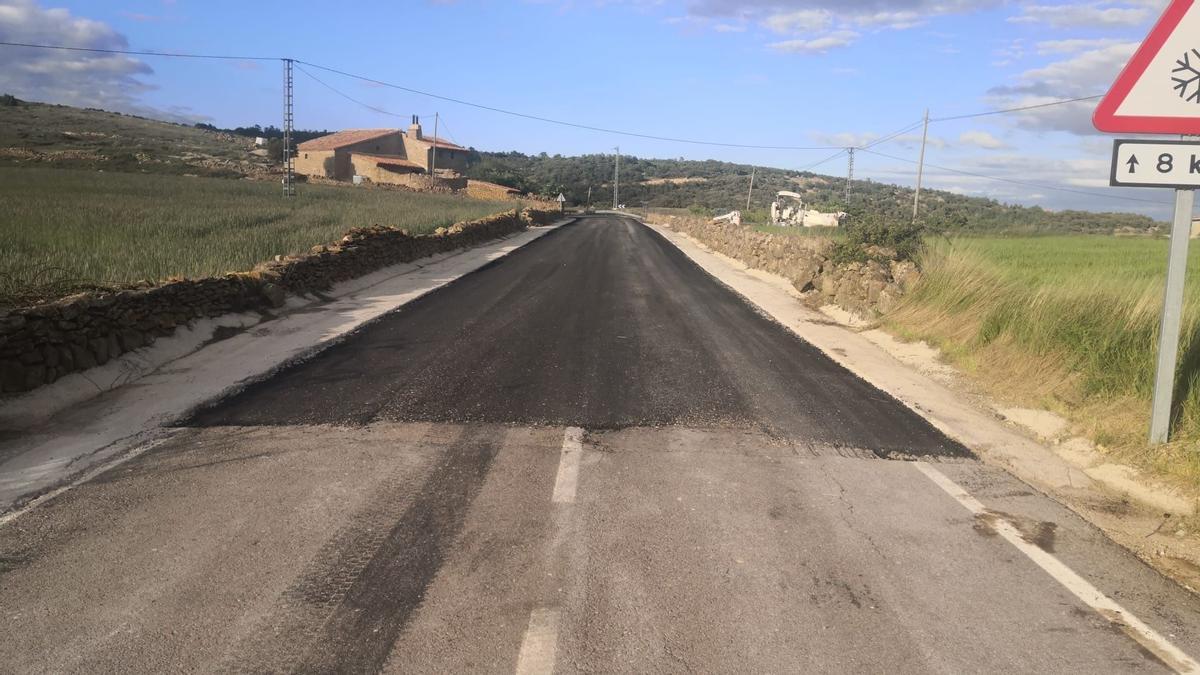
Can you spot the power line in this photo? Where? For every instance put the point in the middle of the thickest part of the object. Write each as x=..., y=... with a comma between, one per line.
x=830, y=158
x=549, y=120
x=892, y=136
x=1018, y=109
x=346, y=96
x=1017, y=182
x=131, y=52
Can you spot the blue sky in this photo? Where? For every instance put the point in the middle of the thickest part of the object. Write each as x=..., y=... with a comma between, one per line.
x=757, y=72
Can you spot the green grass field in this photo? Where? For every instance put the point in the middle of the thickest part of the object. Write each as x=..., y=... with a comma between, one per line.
x=62, y=228
x=1069, y=323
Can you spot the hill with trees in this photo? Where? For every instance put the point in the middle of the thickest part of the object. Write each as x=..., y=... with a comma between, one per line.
x=711, y=186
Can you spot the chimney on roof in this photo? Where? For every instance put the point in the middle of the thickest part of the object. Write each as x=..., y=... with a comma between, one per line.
x=414, y=129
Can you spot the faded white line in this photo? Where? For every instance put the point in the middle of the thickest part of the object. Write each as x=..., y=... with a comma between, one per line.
x=540, y=644
x=568, y=467
x=83, y=478
x=1089, y=594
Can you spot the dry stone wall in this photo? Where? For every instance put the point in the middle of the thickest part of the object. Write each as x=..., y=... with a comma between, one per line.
x=865, y=289
x=40, y=344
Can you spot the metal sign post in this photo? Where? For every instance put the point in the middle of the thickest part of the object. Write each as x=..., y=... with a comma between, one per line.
x=1172, y=318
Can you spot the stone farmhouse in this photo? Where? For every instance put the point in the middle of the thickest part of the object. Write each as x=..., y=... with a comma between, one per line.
x=388, y=156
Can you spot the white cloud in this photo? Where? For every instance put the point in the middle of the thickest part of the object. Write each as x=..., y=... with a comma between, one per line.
x=805, y=20
x=816, y=45
x=1072, y=46
x=109, y=81
x=1089, y=14
x=817, y=26
x=1087, y=73
x=981, y=139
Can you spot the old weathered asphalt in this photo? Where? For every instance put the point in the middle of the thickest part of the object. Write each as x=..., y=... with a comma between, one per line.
x=397, y=504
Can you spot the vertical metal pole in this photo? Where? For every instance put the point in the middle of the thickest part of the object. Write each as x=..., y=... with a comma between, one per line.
x=289, y=162
x=921, y=167
x=849, y=173
x=750, y=194
x=433, y=162
x=589, y=206
x=1172, y=318
x=617, y=180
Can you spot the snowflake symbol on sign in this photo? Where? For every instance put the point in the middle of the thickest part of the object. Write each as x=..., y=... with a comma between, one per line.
x=1187, y=83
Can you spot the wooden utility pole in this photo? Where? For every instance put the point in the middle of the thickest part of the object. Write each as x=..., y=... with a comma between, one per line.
x=750, y=194
x=433, y=162
x=617, y=180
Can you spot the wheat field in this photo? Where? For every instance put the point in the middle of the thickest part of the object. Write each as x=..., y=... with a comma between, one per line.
x=65, y=228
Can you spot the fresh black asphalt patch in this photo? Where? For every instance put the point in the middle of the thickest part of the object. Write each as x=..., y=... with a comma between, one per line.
x=603, y=325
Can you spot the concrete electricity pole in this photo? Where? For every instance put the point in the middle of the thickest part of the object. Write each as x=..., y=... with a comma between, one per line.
x=921, y=167
x=433, y=162
x=750, y=194
x=617, y=179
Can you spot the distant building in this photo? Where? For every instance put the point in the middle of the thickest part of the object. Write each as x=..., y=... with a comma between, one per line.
x=385, y=156
x=260, y=142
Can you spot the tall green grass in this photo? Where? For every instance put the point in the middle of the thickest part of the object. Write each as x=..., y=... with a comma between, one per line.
x=65, y=227
x=1068, y=322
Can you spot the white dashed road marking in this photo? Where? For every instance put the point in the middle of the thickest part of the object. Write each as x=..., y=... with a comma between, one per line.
x=1089, y=594
x=540, y=643
x=541, y=637
x=568, y=467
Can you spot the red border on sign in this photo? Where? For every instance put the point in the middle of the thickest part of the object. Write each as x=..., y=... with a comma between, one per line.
x=1106, y=119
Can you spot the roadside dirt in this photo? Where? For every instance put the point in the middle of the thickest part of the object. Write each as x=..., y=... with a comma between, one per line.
x=1155, y=522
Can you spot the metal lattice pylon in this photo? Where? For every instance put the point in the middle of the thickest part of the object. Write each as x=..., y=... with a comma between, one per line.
x=289, y=161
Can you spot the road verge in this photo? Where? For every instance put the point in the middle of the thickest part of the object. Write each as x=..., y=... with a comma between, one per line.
x=1141, y=517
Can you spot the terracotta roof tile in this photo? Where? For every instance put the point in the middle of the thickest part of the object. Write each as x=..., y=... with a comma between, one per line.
x=441, y=143
x=344, y=138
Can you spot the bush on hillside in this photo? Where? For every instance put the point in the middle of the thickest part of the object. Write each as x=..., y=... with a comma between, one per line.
x=867, y=232
x=9, y=101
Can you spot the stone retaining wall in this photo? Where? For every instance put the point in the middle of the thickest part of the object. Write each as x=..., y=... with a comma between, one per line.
x=864, y=289
x=40, y=344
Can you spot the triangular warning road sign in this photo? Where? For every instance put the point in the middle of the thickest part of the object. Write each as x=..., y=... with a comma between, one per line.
x=1159, y=90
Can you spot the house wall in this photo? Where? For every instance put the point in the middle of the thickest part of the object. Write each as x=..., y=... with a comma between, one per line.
x=316, y=163
x=451, y=159
x=370, y=169
x=337, y=164
x=416, y=151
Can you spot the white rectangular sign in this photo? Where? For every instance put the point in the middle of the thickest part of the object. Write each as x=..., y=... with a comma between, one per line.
x=1170, y=164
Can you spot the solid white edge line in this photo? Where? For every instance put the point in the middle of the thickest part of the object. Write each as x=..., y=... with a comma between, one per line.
x=1171, y=655
x=538, y=649
x=568, y=467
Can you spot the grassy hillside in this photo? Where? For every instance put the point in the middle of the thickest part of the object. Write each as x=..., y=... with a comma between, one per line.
x=720, y=187
x=38, y=134
x=65, y=228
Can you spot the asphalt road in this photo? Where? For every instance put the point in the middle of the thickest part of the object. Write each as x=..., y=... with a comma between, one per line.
x=587, y=457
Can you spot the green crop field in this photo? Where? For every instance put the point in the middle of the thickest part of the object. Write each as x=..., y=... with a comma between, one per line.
x=1069, y=323
x=63, y=228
